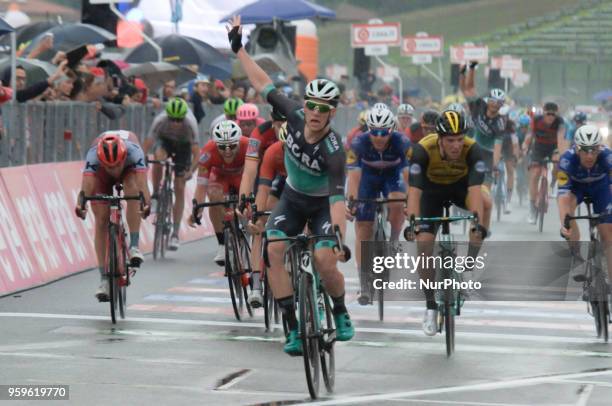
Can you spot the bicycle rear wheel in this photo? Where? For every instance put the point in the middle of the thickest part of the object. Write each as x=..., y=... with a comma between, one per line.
x=232, y=273
x=167, y=222
x=309, y=334
x=112, y=272
x=328, y=338
x=542, y=202
x=122, y=279
x=159, y=226
x=245, y=268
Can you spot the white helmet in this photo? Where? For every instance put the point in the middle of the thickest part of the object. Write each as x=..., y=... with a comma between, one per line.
x=405, y=109
x=380, y=118
x=323, y=89
x=226, y=132
x=497, y=95
x=379, y=106
x=458, y=107
x=588, y=136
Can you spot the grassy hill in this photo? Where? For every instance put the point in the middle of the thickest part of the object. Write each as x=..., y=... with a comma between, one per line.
x=456, y=22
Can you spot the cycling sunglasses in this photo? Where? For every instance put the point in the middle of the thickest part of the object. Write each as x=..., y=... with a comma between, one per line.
x=231, y=147
x=176, y=120
x=322, y=107
x=551, y=113
x=380, y=132
x=590, y=150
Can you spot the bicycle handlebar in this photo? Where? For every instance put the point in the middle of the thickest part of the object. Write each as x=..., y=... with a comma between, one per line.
x=232, y=201
x=111, y=199
x=595, y=218
x=304, y=238
x=168, y=162
x=352, y=201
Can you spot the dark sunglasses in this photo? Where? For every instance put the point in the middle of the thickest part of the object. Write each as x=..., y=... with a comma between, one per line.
x=589, y=150
x=226, y=147
x=551, y=113
x=322, y=107
x=176, y=120
x=380, y=132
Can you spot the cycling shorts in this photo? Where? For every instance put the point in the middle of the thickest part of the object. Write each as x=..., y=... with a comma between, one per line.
x=600, y=195
x=226, y=181
x=541, y=152
x=372, y=186
x=180, y=151
x=294, y=210
x=278, y=184
x=432, y=202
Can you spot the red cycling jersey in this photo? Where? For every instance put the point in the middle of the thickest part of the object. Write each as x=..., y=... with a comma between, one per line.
x=543, y=133
x=261, y=138
x=217, y=170
x=273, y=164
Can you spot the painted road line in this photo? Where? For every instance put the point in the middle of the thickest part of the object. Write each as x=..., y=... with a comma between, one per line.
x=461, y=403
x=583, y=382
x=181, y=309
x=390, y=331
x=512, y=383
x=585, y=393
x=47, y=345
x=190, y=289
x=186, y=298
x=471, y=311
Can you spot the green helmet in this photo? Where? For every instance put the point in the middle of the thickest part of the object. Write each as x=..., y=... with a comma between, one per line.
x=231, y=106
x=177, y=108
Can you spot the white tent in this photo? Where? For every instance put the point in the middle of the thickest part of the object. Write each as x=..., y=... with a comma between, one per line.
x=200, y=18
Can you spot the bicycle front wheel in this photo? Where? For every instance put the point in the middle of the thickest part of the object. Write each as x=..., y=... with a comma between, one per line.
x=232, y=272
x=112, y=271
x=309, y=334
x=328, y=359
x=449, y=327
x=542, y=203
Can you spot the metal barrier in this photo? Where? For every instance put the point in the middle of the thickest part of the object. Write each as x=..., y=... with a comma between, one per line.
x=38, y=132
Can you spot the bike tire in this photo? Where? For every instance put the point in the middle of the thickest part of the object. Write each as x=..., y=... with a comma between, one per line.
x=449, y=327
x=380, y=293
x=267, y=304
x=122, y=279
x=327, y=354
x=112, y=271
x=160, y=218
x=308, y=332
x=245, y=264
x=231, y=270
x=542, y=203
x=167, y=223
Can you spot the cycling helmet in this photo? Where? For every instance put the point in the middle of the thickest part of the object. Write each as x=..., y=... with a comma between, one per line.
x=580, y=118
x=281, y=134
x=231, y=106
x=458, y=107
x=524, y=120
x=177, y=108
x=405, y=109
x=497, y=95
x=380, y=118
x=363, y=118
x=112, y=150
x=323, y=89
x=588, y=136
x=380, y=106
x=227, y=132
x=247, y=111
x=277, y=115
x=451, y=123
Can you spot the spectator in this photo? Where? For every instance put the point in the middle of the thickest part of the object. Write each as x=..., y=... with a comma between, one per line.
x=142, y=92
x=94, y=88
x=168, y=90
x=239, y=91
x=25, y=93
x=63, y=86
x=200, y=96
x=218, y=93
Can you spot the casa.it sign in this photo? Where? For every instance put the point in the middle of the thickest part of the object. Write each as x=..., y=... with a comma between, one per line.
x=389, y=34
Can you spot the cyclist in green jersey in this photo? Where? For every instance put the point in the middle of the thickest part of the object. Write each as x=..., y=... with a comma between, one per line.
x=313, y=193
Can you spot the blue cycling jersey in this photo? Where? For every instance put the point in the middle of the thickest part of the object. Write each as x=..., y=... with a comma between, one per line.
x=364, y=156
x=580, y=181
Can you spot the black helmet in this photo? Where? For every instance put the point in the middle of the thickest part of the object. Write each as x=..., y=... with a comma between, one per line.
x=451, y=122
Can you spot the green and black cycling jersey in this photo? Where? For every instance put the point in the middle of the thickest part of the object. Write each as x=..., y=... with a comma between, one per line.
x=486, y=131
x=315, y=170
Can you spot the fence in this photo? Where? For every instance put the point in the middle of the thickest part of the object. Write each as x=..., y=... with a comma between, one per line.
x=38, y=132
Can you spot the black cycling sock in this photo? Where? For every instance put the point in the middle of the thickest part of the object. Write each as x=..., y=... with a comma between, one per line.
x=288, y=308
x=339, y=306
x=220, y=238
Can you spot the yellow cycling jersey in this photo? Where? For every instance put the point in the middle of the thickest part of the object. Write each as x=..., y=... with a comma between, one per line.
x=427, y=165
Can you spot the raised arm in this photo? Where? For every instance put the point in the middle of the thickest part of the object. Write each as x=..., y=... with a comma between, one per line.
x=258, y=78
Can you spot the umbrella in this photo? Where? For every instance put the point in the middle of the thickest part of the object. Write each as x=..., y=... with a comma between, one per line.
x=28, y=32
x=155, y=74
x=602, y=96
x=36, y=70
x=181, y=50
x=73, y=35
x=5, y=27
x=265, y=11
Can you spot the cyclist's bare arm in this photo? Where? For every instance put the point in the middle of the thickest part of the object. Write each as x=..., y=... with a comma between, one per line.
x=406, y=174
x=202, y=186
x=469, y=89
x=195, y=155
x=475, y=201
x=258, y=78
x=497, y=151
x=248, y=178
x=414, y=202
x=562, y=145
x=147, y=144
x=143, y=186
x=527, y=142
x=354, y=178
